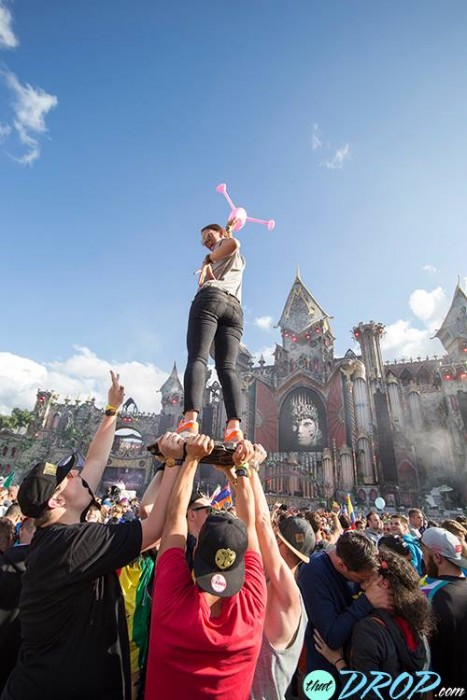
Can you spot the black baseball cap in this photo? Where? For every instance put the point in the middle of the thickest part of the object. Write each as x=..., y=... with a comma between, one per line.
x=298, y=535
x=219, y=558
x=39, y=485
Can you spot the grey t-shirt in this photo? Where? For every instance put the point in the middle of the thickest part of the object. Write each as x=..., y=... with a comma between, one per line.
x=228, y=272
x=274, y=669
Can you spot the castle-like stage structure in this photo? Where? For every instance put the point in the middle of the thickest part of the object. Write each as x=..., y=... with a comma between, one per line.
x=331, y=425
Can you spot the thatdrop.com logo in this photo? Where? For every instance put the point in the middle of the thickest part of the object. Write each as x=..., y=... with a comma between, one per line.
x=320, y=685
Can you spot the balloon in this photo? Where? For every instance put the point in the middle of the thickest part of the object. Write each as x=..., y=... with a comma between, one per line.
x=380, y=503
x=239, y=214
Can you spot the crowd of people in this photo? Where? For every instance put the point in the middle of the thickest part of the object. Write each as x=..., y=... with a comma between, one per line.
x=168, y=597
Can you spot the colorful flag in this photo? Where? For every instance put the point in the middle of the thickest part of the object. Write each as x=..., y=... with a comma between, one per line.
x=223, y=499
x=216, y=492
x=351, y=511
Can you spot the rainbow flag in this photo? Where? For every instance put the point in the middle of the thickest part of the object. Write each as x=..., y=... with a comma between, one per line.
x=223, y=499
x=350, y=511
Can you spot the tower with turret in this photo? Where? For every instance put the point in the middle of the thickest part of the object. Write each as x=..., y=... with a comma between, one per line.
x=172, y=401
x=307, y=340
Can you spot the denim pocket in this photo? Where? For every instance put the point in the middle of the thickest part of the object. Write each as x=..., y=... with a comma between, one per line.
x=208, y=304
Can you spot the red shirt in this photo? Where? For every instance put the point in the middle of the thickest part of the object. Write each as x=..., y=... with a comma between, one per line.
x=191, y=654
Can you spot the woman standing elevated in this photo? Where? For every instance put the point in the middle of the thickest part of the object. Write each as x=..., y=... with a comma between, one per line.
x=216, y=316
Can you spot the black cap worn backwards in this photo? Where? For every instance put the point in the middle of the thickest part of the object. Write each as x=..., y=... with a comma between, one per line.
x=39, y=485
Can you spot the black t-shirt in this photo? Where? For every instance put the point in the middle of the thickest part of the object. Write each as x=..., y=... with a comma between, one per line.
x=12, y=568
x=75, y=638
x=449, y=643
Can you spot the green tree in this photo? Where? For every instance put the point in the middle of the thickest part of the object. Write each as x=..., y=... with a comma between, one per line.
x=5, y=422
x=21, y=417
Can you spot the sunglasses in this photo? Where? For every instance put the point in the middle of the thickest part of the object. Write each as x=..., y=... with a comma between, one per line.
x=208, y=508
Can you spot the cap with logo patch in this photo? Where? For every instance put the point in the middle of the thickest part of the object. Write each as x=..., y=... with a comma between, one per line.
x=298, y=535
x=219, y=559
x=39, y=485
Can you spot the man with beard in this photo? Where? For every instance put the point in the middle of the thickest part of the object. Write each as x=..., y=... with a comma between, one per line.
x=73, y=625
x=446, y=588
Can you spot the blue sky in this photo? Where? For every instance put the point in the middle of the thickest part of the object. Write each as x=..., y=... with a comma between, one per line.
x=345, y=121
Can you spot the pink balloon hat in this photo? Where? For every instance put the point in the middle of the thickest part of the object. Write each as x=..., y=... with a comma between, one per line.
x=239, y=214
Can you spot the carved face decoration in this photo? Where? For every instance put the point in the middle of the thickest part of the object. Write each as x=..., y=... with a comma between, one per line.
x=305, y=431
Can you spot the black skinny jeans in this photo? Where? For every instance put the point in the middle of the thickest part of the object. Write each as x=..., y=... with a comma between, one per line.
x=214, y=316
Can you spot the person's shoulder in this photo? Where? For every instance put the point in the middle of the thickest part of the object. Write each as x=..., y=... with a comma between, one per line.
x=448, y=588
x=255, y=580
x=252, y=557
x=172, y=572
x=319, y=561
x=234, y=243
x=106, y=531
x=170, y=556
x=254, y=565
x=371, y=627
x=78, y=533
x=51, y=535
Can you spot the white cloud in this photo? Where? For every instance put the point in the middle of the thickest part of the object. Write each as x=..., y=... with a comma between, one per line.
x=430, y=268
x=31, y=144
x=315, y=138
x=401, y=339
x=429, y=307
x=267, y=353
x=341, y=155
x=5, y=131
x=31, y=104
x=8, y=39
x=264, y=322
x=30, y=107
x=82, y=375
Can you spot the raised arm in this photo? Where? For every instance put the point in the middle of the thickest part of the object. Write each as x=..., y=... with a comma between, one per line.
x=176, y=527
x=245, y=500
x=156, y=497
x=279, y=575
x=99, y=449
x=171, y=447
x=147, y=502
x=227, y=247
x=283, y=608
